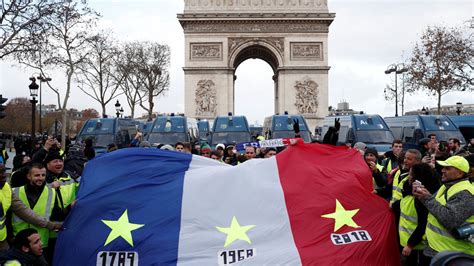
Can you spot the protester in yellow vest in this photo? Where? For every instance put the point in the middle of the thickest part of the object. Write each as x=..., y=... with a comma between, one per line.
x=37, y=196
x=10, y=202
x=451, y=208
x=412, y=157
x=414, y=215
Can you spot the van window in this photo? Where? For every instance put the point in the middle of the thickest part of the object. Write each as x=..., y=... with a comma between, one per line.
x=224, y=124
x=169, y=124
x=408, y=134
x=283, y=123
x=435, y=123
x=343, y=134
x=105, y=126
x=369, y=123
x=397, y=132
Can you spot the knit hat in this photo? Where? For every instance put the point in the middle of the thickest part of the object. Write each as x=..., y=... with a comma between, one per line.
x=360, y=146
x=206, y=148
x=52, y=155
x=371, y=150
x=220, y=145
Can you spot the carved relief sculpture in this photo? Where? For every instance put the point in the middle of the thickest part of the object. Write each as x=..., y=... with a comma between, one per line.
x=306, y=51
x=306, y=96
x=277, y=43
x=206, y=101
x=206, y=51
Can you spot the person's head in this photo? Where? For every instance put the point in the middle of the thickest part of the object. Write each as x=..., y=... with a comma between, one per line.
x=54, y=162
x=187, y=147
x=29, y=241
x=197, y=147
x=425, y=174
x=371, y=155
x=454, y=168
x=88, y=142
x=360, y=147
x=424, y=143
x=270, y=152
x=412, y=157
x=206, y=150
x=3, y=175
x=36, y=174
x=250, y=152
x=220, y=147
x=397, y=147
x=433, y=141
x=229, y=150
x=454, y=144
x=179, y=147
x=216, y=155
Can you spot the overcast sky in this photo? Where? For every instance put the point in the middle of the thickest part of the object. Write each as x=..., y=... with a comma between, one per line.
x=365, y=37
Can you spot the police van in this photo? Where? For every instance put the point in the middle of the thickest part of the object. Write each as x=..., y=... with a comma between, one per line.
x=369, y=129
x=281, y=126
x=465, y=124
x=204, y=127
x=172, y=129
x=230, y=130
x=410, y=129
x=105, y=131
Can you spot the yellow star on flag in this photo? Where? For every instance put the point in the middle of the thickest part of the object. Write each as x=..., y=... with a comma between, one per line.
x=235, y=232
x=342, y=217
x=121, y=228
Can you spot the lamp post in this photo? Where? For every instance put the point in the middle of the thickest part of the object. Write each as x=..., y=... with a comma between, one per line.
x=121, y=112
x=117, y=109
x=398, y=69
x=458, y=108
x=33, y=93
x=41, y=79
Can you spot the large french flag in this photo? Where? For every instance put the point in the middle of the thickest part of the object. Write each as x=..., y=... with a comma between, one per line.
x=312, y=204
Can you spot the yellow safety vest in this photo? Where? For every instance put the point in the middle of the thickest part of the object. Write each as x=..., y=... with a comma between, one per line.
x=68, y=191
x=5, y=203
x=409, y=222
x=397, y=187
x=439, y=238
x=380, y=168
x=42, y=208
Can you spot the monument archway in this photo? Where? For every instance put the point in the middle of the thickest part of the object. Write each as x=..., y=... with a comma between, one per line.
x=290, y=35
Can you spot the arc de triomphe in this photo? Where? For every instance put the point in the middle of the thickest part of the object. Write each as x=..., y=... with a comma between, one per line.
x=290, y=35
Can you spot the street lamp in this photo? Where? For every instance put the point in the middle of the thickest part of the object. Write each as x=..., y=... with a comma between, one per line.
x=41, y=79
x=121, y=112
x=398, y=69
x=117, y=108
x=458, y=108
x=33, y=93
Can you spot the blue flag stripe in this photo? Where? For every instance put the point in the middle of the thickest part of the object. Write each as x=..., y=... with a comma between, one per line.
x=148, y=183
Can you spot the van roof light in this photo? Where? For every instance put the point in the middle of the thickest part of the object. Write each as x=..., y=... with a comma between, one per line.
x=286, y=112
x=229, y=113
x=172, y=114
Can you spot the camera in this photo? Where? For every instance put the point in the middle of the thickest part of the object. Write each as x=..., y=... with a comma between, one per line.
x=464, y=232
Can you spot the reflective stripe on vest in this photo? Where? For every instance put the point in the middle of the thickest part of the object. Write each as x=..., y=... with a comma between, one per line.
x=408, y=222
x=389, y=166
x=5, y=203
x=43, y=207
x=439, y=238
x=397, y=187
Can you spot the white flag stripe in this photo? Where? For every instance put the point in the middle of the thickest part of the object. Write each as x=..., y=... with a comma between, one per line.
x=212, y=196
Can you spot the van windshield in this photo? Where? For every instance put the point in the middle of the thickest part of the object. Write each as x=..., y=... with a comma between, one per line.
x=230, y=137
x=374, y=136
x=285, y=123
x=203, y=126
x=167, y=137
x=169, y=124
x=236, y=124
x=98, y=126
x=437, y=123
x=365, y=122
x=101, y=140
x=305, y=135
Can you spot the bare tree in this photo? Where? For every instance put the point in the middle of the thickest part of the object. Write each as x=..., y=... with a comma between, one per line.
x=127, y=72
x=153, y=64
x=442, y=62
x=63, y=47
x=98, y=77
x=21, y=22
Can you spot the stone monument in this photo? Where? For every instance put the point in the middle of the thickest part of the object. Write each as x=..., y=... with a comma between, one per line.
x=290, y=35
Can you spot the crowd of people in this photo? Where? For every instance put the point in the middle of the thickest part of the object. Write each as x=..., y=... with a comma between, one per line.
x=429, y=189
